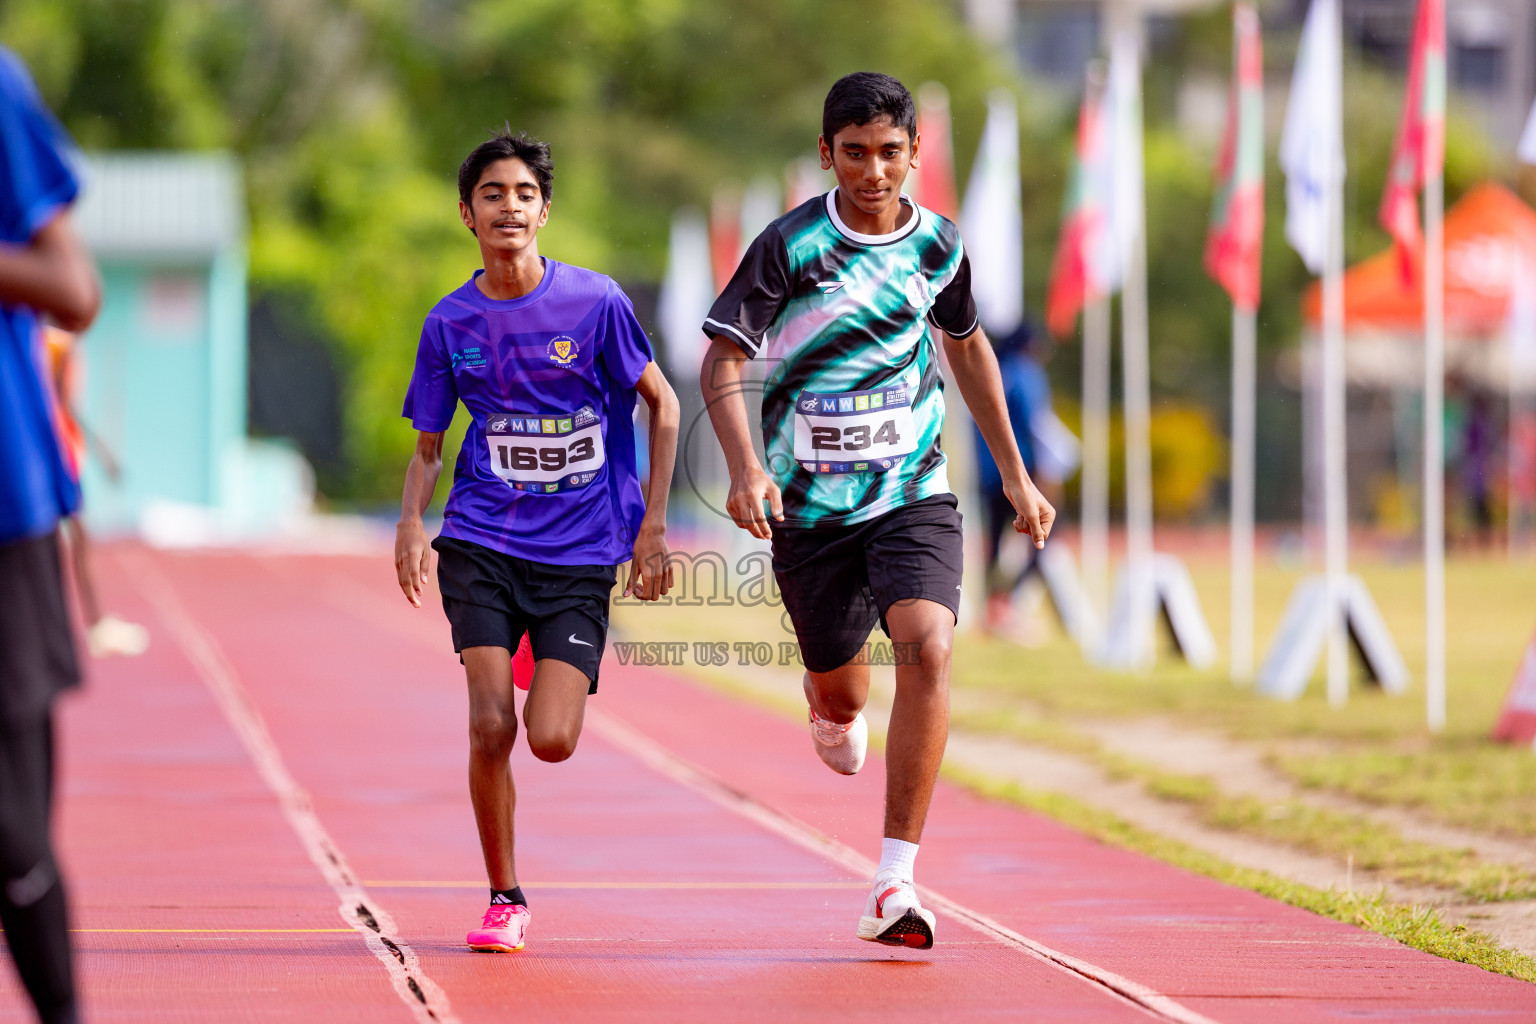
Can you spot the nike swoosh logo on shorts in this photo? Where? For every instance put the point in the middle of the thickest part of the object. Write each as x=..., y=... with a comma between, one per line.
x=572, y=639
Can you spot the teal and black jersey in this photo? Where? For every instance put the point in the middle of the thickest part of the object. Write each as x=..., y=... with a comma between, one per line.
x=853, y=401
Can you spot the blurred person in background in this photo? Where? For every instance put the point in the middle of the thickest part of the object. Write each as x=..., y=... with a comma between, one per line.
x=1051, y=455
x=105, y=634
x=1475, y=451
x=45, y=272
x=1027, y=394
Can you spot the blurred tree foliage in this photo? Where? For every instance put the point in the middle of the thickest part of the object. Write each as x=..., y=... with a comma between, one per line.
x=352, y=116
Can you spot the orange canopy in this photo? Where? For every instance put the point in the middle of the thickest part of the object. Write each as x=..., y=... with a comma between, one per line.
x=1484, y=233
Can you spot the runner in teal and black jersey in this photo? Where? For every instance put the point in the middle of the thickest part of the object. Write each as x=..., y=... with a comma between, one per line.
x=838, y=295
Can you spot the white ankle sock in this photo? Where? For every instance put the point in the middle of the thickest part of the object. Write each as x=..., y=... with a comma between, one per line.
x=896, y=857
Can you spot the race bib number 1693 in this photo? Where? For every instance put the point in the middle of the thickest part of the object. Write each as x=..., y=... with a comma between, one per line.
x=854, y=431
x=547, y=453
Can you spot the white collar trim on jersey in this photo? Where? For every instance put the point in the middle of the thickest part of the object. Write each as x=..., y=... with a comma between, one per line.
x=863, y=239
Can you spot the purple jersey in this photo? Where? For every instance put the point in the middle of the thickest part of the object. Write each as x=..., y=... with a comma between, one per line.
x=547, y=471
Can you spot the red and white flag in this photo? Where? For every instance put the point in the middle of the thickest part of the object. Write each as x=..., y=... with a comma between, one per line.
x=932, y=182
x=1236, y=241
x=725, y=240
x=1420, y=148
x=1078, y=271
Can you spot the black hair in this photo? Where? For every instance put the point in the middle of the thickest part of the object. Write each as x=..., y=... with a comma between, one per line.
x=505, y=145
x=866, y=96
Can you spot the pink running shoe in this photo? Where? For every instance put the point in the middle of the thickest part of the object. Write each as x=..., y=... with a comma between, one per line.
x=522, y=665
x=503, y=931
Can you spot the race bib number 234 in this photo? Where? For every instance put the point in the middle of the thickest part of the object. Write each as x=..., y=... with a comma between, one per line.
x=854, y=431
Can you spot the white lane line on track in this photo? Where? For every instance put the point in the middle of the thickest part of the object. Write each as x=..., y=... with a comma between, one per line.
x=358, y=909
x=626, y=737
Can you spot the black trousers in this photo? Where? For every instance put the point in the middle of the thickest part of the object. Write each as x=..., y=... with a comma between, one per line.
x=37, y=661
x=32, y=905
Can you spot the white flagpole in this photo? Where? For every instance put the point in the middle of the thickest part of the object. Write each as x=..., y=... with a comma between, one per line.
x=1514, y=384
x=1522, y=340
x=1244, y=359
x=1434, y=428
x=1520, y=343
x=1138, y=442
x=1095, y=481
x=1335, y=500
x=1335, y=482
x=1136, y=400
x=1514, y=517
x=1434, y=448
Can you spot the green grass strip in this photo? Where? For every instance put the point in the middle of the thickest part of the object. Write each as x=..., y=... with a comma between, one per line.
x=1295, y=823
x=1415, y=926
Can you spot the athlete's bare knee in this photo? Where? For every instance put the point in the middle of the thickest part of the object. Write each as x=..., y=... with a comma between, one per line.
x=838, y=695
x=935, y=653
x=552, y=744
x=841, y=706
x=932, y=657
x=492, y=733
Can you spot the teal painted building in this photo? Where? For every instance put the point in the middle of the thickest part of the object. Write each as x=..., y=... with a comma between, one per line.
x=163, y=389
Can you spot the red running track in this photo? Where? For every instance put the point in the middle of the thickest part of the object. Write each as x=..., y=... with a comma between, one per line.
x=265, y=818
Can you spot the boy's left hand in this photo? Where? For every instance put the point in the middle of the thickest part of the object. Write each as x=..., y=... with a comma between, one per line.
x=650, y=573
x=1035, y=516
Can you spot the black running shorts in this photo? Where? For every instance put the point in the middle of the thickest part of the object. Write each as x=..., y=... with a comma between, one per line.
x=839, y=581
x=492, y=599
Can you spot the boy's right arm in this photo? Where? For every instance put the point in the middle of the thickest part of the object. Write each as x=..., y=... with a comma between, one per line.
x=720, y=380
x=53, y=274
x=413, y=549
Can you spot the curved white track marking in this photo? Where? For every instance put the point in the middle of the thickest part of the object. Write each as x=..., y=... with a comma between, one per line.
x=419, y=993
x=623, y=735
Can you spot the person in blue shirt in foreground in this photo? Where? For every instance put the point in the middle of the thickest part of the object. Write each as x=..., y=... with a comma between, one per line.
x=45, y=274
x=547, y=359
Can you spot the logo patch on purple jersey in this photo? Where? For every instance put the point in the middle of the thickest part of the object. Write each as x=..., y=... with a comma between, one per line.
x=563, y=350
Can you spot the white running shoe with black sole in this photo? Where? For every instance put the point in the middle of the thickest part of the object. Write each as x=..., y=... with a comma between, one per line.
x=841, y=746
x=893, y=915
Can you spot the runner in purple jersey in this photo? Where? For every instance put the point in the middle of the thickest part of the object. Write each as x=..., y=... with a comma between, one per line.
x=567, y=355
x=547, y=358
